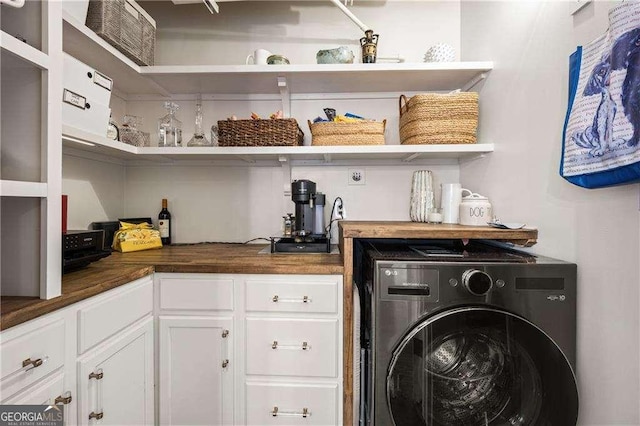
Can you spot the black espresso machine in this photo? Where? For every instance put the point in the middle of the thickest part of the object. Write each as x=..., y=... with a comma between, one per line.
x=307, y=233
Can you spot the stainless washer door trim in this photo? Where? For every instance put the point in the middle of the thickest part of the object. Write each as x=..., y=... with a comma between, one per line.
x=426, y=322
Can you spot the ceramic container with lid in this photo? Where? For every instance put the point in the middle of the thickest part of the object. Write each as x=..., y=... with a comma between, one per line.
x=475, y=210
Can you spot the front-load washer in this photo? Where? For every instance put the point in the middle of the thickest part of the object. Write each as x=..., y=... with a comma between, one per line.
x=457, y=335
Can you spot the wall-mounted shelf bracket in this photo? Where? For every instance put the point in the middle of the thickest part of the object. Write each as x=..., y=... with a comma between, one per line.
x=411, y=157
x=247, y=159
x=471, y=158
x=285, y=95
x=474, y=81
x=286, y=174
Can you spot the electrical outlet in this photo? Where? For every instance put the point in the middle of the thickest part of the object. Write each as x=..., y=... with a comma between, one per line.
x=357, y=177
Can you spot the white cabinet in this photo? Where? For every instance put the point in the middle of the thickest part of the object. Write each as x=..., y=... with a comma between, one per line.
x=115, y=381
x=197, y=367
x=293, y=350
x=247, y=349
x=111, y=375
x=196, y=370
x=30, y=157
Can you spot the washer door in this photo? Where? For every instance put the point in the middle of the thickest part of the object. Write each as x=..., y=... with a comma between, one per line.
x=477, y=366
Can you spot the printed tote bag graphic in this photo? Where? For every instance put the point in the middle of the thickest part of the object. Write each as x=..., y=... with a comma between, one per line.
x=600, y=144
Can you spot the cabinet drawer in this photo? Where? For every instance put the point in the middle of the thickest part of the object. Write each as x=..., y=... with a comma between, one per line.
x=287, y=347
x=43, y=346
x=292, y=295
x=198, y=294
x=290, y=404
x=108, y=315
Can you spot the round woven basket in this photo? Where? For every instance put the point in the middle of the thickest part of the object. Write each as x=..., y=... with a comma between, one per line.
x=435, y=118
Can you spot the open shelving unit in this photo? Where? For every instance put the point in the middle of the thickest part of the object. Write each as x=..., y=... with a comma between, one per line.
x=133, y=82
x=30, y=169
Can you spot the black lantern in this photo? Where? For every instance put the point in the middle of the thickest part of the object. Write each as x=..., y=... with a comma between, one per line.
x=369, y=45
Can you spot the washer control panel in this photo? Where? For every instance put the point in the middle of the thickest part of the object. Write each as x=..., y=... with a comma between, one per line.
x=406, y=281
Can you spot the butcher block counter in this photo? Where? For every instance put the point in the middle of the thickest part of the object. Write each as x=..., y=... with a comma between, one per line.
x=122, y=268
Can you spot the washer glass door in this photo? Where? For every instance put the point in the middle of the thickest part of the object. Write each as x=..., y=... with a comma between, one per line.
x=480, y=366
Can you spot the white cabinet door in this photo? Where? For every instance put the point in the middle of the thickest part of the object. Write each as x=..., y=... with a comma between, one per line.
x=115, y=380
x=196, y=370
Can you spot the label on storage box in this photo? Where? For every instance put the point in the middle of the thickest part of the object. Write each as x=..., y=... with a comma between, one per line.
x=74, y=99
x=102, y=80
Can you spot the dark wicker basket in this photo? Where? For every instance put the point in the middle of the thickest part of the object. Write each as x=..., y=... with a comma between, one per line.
x=278, y=132
x=124, y=27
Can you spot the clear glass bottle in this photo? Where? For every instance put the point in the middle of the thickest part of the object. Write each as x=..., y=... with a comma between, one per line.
x=199, y=138
x=169, y=127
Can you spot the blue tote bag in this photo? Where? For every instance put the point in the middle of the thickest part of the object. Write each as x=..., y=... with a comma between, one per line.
x=601, y=137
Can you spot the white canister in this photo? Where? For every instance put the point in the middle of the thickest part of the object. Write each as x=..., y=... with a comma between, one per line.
x=475, y=210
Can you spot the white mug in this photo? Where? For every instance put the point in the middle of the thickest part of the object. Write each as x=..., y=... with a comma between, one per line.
x=259, y=57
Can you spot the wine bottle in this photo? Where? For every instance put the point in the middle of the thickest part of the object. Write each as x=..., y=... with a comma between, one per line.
x=164, y=224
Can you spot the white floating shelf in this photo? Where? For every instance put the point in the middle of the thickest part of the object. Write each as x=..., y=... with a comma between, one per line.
x=129, y=78
x=24, y=51
x=88, y=142
x=14, y=188
x=314, y=78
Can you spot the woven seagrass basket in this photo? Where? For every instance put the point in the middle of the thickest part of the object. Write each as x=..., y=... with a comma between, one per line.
x=364, y=132
x=124, y=25
x=436, y=118
x=276, y=132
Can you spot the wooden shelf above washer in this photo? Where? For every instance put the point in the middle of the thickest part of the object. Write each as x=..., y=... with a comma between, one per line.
x=525, y=237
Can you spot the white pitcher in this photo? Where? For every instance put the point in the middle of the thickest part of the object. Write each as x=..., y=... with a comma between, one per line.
x=450, y=202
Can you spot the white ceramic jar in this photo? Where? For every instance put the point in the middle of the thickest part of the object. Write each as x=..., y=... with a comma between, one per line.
x=475, y=210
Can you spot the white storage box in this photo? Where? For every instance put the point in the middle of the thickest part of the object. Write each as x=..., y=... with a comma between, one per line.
x=84, y=80
x=78, y=112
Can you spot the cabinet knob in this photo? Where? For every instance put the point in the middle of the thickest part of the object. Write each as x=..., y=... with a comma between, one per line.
x=96, y=416
x=225, y=334
x=98, y=375
x=225, y=363
x=65, y=398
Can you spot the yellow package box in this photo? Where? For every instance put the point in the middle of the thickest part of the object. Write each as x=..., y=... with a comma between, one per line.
x=136, y=237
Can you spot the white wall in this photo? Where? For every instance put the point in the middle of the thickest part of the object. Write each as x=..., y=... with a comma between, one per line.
x=237, y=204
x=523, y=105
x=95, y=191
x=188, y=34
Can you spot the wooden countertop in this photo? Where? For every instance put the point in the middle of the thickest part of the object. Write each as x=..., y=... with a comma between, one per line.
x=122, y=268
x=384, y=229
x=76, y=286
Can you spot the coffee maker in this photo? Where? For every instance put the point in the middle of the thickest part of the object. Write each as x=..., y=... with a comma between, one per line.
x=308, y=234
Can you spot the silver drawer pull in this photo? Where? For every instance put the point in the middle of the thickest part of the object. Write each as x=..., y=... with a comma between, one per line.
x=276, y=299
x=290, y=413
x=305, y=346
x=27, y=365
x=96, y=416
